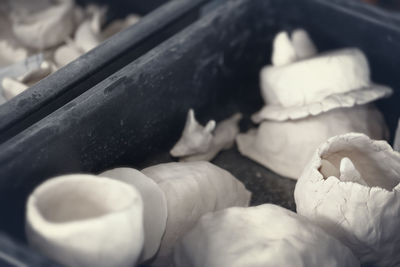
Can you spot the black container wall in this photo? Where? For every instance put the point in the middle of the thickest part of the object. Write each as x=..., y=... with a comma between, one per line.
x=89, y=69
x=212, y=66
x=14, y=254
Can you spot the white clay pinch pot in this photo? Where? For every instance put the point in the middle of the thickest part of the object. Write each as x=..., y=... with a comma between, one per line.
x=82, y=220
x=350, y=188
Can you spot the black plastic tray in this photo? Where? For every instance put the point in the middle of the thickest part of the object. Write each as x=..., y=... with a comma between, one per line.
x=14, y=254
x=59, y=88
x=133, y=117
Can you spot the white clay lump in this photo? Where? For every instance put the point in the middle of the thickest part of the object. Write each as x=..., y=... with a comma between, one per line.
x=265, y=235
x=308, y=99
x=175, y=196
x=204, y=143
x=350, y=188
x=81, y=220
x=192, y=189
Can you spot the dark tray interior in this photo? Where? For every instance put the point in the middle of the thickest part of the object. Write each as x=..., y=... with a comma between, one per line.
x=70, y=81
x=134, y=117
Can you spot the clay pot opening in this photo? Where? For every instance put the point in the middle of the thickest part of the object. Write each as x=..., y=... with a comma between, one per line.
x=76, y=199
x=378, y=164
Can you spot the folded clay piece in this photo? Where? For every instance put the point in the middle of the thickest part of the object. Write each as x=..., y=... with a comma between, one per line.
x=43, y=24
x=82, y=220
x=286, y=147
x=309, y=99
x=265, y=235
x=192, y=189
x=204, y=143
x=350, y=188
x=154, y=207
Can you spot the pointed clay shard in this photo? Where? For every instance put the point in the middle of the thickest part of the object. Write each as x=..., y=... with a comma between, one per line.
x=327, y=169
x=195, y=139
x=223, y=138
x=265, y=235
x=82, y=220
x=303, y=45
x=363, y=215
x=154, y=207
x=283, y=50
x=349, y=173
x=192, y=189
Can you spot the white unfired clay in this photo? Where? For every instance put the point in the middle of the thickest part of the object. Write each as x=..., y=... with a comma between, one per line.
x=265, y=235
x=154, y=207
x=192, y=189
x=195, y=139
x=286, y=147
x=12, y=87
x=222, y=138
x=363, y=211
x=42, y=28
x=303, y=84
x=82, y=220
